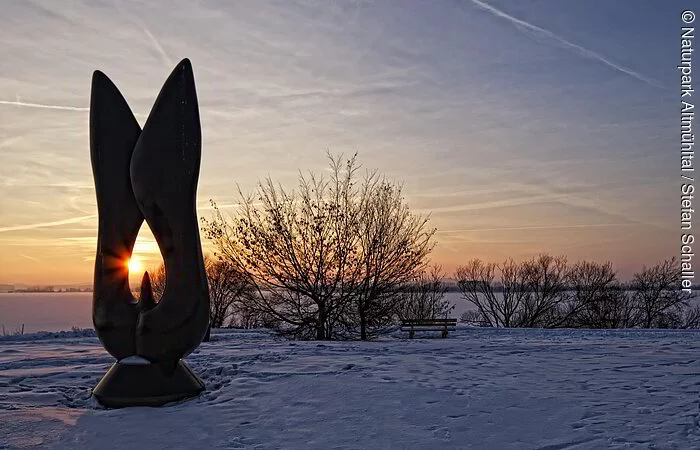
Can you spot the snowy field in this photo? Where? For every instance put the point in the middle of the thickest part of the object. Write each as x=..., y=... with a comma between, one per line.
x=494, y=389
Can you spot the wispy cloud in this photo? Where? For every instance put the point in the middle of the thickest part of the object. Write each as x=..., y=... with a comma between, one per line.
x=536, y=227
x=526, y=26
x=138, y=23
x=28, y=257
x=493, y=204
x=47, y=224
x=43, y=106
x=55, y=107
x=159, y=48
x=411, y=87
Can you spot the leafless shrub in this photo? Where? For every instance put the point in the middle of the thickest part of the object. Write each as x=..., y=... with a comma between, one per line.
x=17, y=332
x=476, y=281
x=393, y=245
x=544, y=277
x=657, y=293
x=157, y=278
x=328, y=259
x=546, y=291
x=691, y=318
x=596, y=299
x=228, y=288
x=473, y=318
x=246, y=317
x=424, y=297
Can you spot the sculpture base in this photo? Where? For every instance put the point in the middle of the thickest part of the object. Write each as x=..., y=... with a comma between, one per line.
x=145, y=384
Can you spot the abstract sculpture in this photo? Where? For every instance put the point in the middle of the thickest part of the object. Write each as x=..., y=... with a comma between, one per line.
x=148, y=174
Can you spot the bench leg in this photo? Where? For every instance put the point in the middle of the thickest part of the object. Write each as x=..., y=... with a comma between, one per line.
x=410, y=334
x=444, y=334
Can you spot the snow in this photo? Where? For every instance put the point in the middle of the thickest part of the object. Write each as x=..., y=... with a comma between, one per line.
x=479, y=388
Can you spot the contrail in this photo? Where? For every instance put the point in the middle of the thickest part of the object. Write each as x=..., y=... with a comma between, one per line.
x=583, y=51
x=516, y=201
x=542, y=227
x=43, y=106
x=58, y=107
x=135, y=20
x=156, y=44
x=29, y=257
x=31, y=226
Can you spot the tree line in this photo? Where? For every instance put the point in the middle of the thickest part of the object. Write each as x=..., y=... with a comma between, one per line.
x=342, y=256
x=550, y=292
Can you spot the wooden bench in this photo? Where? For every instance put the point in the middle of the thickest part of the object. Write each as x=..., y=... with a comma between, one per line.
x=413, y=325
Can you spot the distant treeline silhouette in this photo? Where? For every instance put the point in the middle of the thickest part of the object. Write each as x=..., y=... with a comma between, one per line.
x=452, y=286
x=549, y=292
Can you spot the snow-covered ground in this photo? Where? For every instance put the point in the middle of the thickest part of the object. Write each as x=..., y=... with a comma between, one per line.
x=479, y=388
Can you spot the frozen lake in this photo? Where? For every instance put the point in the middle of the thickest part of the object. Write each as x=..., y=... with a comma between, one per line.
x=62, y=311
x=45, y=311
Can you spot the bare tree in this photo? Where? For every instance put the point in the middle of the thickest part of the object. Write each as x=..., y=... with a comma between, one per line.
x=545, y=278
x=328, y=257
x=157, y=278
x=547, y=292
x=424, y=297
x=473, y=318
x=245, y=316
x=477, y=280
x=657, y=292
x=596, y=299
x=691, y=318
x=393, y=245
x=17, y=332
x=227, y=288
x=295, y=248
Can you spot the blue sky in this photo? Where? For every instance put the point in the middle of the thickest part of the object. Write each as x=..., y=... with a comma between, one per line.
x=521, y=126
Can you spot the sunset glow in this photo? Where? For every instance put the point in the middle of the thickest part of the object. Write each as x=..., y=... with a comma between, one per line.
x=134, y=266
x=524, y=127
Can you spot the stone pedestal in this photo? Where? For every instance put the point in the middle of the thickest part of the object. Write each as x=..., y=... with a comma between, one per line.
x=136, y=382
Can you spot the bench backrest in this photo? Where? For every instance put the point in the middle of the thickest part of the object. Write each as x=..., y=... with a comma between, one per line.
x=423, y=322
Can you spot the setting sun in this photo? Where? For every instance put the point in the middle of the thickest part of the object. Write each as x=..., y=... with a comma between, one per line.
x=134, y=265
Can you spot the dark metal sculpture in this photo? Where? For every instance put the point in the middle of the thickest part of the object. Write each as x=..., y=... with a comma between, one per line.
x=148, y=174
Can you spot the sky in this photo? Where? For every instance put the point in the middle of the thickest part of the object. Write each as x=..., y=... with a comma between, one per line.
x=520, y=126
